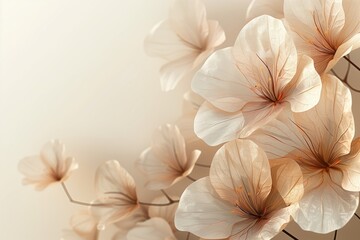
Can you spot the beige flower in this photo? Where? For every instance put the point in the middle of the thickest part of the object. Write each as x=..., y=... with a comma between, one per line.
x=117, y=191
x=49, y=167
x=184, y=40
x=154, y=228
x=84, y=226
x=321, y=141
x=244, y=196
x=324, y=30
x=248, y=85
x=167, y=161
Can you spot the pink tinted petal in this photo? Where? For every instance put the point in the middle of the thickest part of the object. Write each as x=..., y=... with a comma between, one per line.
x=165, y=212
x=202, y=212
x=287, y=178
x=330, y=120
x=352, y=19
x=265, y=7
x=175, y=71
x=326, y=206
x=221, y=83
x=304, y=90
x=163, y=42
x=155, y=228
x=214, y=126
x=85, y=224
x=240, y=171
x=216, y=34
x=344, y=49
x=265, y=53
x=188, y=19
x=350, y=168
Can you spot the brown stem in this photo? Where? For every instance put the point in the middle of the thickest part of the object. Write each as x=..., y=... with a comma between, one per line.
x=290, y=235
x=80, y=202
x=352, y=63
x=335, y=234
x=202, y=165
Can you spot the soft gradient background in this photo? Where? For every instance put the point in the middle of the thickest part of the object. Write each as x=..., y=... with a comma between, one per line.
x=76, y=70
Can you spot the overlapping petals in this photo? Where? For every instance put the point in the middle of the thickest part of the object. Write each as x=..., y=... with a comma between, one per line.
x=243, y=197
x=49, y=167
x=167, y=161
x=84, y=227
x=248, y=85
x=116, y=191
x=184, y=40
x=165, y=212
x=321, y=141
x=154, y=228
x=324, y=30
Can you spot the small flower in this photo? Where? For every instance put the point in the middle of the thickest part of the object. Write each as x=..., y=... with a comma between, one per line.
x=117, y=191
x=321, y=141
x=244, y=196
x=184, y=40
x=248, y=85
x=324, y=30
x=154, y=228
x=167, y=161
x=84, y=227
x=49, y=167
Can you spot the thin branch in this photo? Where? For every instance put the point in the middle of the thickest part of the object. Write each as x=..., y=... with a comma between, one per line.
x=352, y=63
x=357, y=215
x=202, y=165
x=290, y=235
x=335, y=234
x=166, y=195
x=159, y=204
x=192, y=179
x=188, y=236
x=80, y=202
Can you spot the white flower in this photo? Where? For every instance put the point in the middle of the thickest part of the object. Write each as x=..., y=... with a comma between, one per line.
x=184, y=40
x=49, y=167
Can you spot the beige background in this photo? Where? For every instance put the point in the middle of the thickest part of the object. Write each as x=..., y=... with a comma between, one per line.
x=76, y=70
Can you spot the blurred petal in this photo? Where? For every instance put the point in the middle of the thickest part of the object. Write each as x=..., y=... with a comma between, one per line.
x=49, y=167
x=202, y=212
x=165, y=212
x=156, y=228
x=265, y=7
x=240, y=173
x=117, y=189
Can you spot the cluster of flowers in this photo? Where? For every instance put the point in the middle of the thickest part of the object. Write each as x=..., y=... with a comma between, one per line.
x=280, y=123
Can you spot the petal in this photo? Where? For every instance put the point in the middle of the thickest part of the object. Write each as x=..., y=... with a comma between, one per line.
x=163, y=42
x=221, y=83
x=157, y=228
x=166, y=162
x=84, y=224
x=304, y=90
x=165, y=212
x=188, y=19
x=216, y=34
x=265, y=7
x=287, y=179
x=329, y=126
x=352, y=19
x=116, y=188
x=203, y=213
x=326, y=206
x=265, y=53
x=350, y=167
x=317, y=25
x=214, y=126
x=240, y=174
x=127, y=223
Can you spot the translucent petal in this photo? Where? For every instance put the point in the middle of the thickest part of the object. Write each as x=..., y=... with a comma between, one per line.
x=202, y=212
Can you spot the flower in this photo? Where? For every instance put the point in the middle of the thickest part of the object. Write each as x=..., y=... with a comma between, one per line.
x=116, y=191
x=184, y=40
x=244, y=196
x=321, y=141
x=248, y=85
x=166, y=162
x=49, y=167
x=324, y=30
x=154, y=228
x=84, y=227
